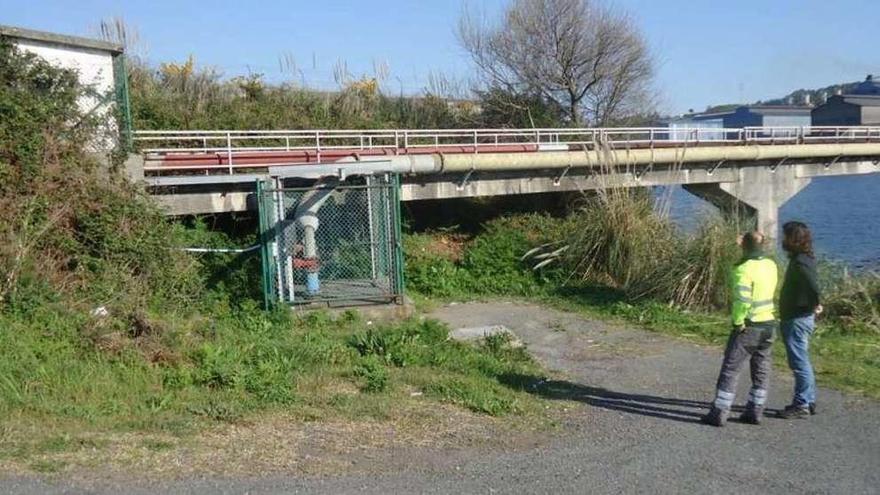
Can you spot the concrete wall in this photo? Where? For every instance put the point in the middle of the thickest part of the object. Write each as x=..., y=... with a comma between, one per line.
x=678, y=132
x=787, y=120
x=870, y=116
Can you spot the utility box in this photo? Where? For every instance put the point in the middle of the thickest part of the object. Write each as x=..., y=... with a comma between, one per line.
x=332, y=243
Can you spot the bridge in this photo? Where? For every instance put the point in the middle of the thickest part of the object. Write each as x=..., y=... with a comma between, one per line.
x=756, y=169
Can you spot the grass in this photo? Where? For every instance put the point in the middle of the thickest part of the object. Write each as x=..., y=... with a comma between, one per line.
x=226, y=370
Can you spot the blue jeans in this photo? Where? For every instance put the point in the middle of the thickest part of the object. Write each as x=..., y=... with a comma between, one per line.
x=796, y=333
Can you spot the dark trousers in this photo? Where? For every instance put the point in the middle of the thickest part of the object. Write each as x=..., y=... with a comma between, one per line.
x=754, y=344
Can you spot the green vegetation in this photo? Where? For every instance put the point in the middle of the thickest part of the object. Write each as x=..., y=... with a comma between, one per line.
x=184, y=96
x=240, y=362
x=106, y=325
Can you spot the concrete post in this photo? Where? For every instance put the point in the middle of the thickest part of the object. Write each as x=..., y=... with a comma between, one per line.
x=759, y=192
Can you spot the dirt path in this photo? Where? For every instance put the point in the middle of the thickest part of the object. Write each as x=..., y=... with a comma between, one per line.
x=636, y=429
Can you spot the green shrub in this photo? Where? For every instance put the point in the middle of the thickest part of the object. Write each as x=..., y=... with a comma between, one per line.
x=493, y=262
x=474, y=395
x=372, y=370
x=851, y=301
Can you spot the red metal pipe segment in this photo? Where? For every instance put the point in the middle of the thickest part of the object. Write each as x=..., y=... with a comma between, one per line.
x=195, y=160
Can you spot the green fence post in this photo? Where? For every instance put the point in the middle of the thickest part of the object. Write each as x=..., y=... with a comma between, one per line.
x=123, y=101
x=265, y=256
x=400, y=285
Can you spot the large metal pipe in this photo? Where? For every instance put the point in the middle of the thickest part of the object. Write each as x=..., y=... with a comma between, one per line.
x=617, y=157
x=306, y=214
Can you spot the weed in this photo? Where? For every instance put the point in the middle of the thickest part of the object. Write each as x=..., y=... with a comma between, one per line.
x=48, y=466
x=474, y=396
x=374, y=373
x=158, y=445
x=217, y=410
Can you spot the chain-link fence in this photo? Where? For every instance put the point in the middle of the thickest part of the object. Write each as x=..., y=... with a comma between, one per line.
x=333, y=243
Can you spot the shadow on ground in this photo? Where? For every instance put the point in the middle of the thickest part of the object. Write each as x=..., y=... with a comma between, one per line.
x=672, y=409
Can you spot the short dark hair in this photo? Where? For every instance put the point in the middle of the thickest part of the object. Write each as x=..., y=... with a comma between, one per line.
x=752, y=241
x=797, y=238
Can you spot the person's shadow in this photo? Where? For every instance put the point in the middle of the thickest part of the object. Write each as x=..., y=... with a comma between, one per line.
x=681, y=410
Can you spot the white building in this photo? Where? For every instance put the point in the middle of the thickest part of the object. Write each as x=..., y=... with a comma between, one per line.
x=100, y=65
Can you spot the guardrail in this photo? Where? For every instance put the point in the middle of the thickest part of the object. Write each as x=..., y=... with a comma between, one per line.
x=235, y=149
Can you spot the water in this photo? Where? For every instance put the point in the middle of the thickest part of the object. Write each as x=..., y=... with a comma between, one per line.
x=843, y=213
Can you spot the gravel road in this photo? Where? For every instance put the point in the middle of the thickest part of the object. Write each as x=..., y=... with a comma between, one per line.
x=637, y=431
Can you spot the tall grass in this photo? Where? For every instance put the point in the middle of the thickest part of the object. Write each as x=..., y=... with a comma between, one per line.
x=852, y=300
x=621, y=238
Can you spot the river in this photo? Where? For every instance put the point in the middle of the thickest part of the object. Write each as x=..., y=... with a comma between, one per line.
x=843, y=213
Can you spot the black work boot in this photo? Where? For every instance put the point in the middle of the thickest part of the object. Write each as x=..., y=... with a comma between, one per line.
x=812, y=408
x=795, y=412
x=753, y=414
x=715, y=417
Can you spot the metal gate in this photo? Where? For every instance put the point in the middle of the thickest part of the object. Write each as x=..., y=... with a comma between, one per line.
x=333, y=243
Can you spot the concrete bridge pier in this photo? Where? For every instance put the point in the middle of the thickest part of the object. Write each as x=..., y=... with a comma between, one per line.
x=759, y=192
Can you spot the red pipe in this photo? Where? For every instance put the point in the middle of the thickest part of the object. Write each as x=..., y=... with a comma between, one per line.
x=253, y=158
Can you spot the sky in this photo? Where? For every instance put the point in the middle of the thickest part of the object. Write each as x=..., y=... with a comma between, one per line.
x=707, y=51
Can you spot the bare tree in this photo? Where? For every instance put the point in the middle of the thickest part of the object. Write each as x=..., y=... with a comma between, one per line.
x=585, y=57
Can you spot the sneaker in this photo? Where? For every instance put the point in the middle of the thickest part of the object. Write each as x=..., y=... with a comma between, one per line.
x=812, y=408
x=795, y=412
x=715, y=417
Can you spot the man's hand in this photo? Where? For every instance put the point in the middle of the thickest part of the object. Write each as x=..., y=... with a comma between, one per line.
x=819, y=310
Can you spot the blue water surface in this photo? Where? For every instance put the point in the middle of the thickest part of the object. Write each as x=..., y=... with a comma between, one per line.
x=843, y=213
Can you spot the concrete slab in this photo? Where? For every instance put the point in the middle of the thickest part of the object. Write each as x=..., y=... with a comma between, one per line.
x=370, y=312
x=477, y=334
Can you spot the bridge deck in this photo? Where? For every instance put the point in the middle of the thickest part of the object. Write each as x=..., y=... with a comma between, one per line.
x=233, y=152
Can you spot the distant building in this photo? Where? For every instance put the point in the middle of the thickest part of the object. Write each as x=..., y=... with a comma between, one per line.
x=100, y=65
x=695, y=126
x=744, y=116
x=867, y=87
x=767, y=116
x=852, y=109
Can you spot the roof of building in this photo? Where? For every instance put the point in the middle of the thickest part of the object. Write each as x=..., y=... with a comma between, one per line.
x=856, y=99
x=777, y=109
x=759, y=109
x=59, y=39
x=867, y=87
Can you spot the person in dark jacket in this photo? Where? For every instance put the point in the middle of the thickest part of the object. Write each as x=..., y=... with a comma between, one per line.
x=798, y=307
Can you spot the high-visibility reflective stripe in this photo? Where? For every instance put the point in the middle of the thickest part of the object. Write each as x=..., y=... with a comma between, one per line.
x=744, y=299
x=762, y=303
x=747, y=288
x=724, y=400
x=758, y=396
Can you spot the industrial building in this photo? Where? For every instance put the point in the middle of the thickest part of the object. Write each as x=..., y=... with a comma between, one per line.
x=744, y=116
x=859, y=107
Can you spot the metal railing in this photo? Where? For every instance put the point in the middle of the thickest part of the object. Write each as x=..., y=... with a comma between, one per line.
x=236, y=148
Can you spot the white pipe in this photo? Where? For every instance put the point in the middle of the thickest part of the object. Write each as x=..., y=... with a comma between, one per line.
x=464, y=162
x=306, y=214
x=612, y=157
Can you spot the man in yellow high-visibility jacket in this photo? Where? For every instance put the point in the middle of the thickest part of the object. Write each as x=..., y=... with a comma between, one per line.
x=754, y=324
